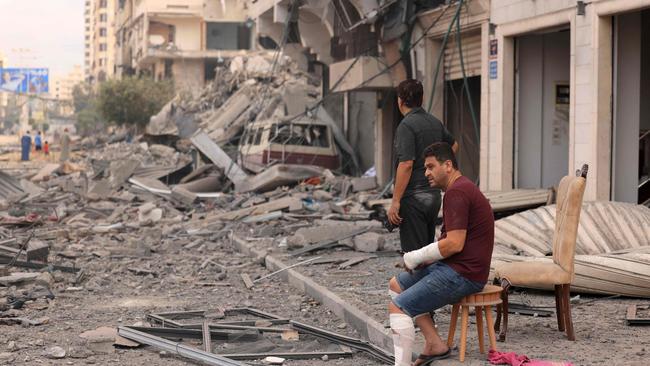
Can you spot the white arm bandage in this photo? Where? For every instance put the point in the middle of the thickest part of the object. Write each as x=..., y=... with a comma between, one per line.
x=425, y=254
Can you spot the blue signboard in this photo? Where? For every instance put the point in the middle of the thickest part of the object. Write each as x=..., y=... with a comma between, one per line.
x=493, y=69
x=28, y=81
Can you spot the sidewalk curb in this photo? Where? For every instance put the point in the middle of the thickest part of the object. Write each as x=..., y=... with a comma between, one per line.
x=368, y=328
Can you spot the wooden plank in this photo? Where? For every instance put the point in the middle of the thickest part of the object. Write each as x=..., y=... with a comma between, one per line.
x=352, y=261
x=207, y=339
x=247, y=280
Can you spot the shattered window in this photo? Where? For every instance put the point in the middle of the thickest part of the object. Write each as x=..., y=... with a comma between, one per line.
x=299, y=134
x=258, y=136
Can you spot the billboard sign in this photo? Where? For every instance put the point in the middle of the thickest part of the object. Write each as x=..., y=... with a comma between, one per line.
x=24, y=80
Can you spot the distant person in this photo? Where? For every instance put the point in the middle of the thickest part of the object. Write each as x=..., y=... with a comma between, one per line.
x=65, y=146
x=46, y=148
x=26, y=145
x=38, y=142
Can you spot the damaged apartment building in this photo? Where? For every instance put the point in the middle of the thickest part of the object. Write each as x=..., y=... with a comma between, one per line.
x=364, y=48
x=540, y=87
x=180, y=40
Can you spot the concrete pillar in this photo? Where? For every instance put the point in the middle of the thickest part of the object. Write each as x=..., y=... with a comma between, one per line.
x=602, y=68
x=485, y=107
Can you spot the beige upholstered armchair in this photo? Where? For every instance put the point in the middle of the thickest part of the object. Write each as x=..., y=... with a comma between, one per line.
x=560, y=273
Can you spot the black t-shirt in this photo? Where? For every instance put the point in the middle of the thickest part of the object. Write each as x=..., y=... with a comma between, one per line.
x=418, y=130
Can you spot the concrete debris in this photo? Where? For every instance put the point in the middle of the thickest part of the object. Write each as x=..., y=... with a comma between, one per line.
x=54, y=352
x=170, y=211
x=45, y=172
x=219, y=157
x=369, y=242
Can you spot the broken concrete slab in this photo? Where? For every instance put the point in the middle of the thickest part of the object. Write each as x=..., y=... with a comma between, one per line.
x=183, y=195
x=210, y=149
x=288, y=203
x=121, y=171
x=9, y=186
x=321, y=195
x=149, y=214
x=45, y=172
x=277, y=176
x=100, y=189
x=18, y=278
x=310, y=235
x=150, y=184
x=54, y=352
x=162, y=151
x=363, y=184
x=212, y=183
x=369, y=242
x=101, y=334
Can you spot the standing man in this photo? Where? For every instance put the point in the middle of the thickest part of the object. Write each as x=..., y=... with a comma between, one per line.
x=445, y=271
x=65, y=146
x=415, y=204
x=38, y=142
x=25, y=145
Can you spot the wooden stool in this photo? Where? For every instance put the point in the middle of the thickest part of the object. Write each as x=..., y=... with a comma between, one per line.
x=482, y=301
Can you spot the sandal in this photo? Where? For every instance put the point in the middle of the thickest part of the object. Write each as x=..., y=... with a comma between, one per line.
x=428, y=359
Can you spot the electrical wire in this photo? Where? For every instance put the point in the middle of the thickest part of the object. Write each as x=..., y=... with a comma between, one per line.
x=406, y=52
x=441, y=55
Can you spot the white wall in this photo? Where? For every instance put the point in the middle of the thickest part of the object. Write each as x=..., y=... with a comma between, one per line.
x=188, y=33
x=361, y=131
x=503, y=11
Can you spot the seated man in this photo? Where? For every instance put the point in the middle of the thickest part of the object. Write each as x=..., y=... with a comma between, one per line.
x=445, y=271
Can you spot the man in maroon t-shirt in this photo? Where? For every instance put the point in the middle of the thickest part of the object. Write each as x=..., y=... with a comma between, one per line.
x=445, y=271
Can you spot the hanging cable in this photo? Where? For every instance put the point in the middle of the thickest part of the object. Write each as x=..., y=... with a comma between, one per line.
x=465, y=81
x=441, y=55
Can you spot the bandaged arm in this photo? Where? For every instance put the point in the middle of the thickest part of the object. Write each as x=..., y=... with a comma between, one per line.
x=450, y=245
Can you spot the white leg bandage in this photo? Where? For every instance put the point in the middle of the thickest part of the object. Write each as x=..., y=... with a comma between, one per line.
x=392, y=294
x=403, y=338
x=430, y=253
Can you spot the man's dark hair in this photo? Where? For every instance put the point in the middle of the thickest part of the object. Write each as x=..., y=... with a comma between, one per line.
x=410, y=92
x=442, y=152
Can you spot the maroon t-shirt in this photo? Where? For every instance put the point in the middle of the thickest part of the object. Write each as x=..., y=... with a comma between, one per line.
x=464, y=207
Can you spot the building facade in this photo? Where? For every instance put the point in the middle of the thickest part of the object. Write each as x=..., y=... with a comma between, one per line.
x=99, y=40
x=569, y=88
x=61, y=88
x=88, y=38
x=542, y=88
x=179, y=40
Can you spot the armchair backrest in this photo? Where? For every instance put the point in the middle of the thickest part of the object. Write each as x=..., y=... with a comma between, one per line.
x=567, y=217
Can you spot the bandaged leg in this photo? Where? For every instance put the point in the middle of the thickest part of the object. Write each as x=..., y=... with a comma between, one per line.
x=403, y=338
x=429, y=253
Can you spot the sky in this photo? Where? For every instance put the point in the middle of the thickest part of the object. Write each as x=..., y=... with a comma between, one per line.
x=42, y=33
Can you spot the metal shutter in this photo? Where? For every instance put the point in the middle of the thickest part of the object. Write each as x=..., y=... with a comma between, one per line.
x=471, y=44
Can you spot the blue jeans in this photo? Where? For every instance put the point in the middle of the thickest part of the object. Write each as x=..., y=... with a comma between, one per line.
x=432, y=287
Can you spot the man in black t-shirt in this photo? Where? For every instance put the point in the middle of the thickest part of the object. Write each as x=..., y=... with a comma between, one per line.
x=415, y=204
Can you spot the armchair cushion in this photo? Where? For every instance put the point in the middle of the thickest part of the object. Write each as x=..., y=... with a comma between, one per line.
x=532, y=273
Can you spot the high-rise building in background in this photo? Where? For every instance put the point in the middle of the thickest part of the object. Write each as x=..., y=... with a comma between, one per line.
x=99, y=31
x=88, y=39
x=61, y=87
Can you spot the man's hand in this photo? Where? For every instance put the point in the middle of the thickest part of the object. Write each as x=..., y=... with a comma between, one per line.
x=393, y=214
x=403, y=266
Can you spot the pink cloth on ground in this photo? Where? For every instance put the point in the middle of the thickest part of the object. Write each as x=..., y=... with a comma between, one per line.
x=513, y=359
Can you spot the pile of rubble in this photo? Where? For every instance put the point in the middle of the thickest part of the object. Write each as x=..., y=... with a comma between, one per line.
x=128, y=201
